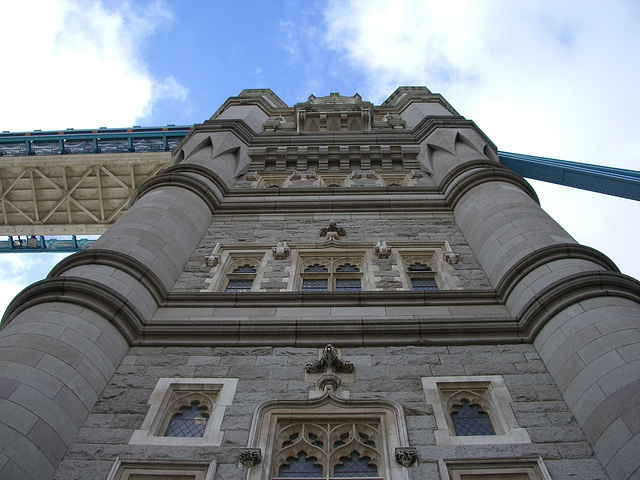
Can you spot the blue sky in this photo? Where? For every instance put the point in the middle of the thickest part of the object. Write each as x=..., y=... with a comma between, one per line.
x=547, y=78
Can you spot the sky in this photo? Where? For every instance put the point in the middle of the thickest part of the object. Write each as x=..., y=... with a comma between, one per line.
x=547, y=78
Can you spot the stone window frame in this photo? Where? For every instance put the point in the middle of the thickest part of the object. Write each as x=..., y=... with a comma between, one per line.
x=490, y=391
x=194, y=470
x=269, y=416
x=225, y=259
x=165, y=400
x=332, y=261
x=328, y=432
x=453, y=469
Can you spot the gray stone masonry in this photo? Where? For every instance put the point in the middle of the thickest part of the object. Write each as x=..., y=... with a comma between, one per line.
x=392, y=373
x=359, y=228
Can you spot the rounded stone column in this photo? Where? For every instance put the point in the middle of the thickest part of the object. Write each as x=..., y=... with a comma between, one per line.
x=582, y=315
x=63, y=338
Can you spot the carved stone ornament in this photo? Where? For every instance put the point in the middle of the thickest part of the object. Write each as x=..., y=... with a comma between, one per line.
x=250, y=457
x=332, y=231
x=449, y=256
x=329, y=362
x=382, y=250
x=212, y=260
x=281, y=251
x=406, y=456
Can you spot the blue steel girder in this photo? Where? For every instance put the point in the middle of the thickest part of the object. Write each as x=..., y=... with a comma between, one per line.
x=42, y=244
x=595, y=178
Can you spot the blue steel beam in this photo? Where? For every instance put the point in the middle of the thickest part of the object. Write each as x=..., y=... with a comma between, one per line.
x=595, y=178
x=40, y=244
x=611, y=181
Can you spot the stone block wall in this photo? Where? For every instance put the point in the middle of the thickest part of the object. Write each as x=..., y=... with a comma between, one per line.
x=270, y=229
x=390, y=373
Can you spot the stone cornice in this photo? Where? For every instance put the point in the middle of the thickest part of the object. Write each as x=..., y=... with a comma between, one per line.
x=549, y=254
x=183, y=176
x=125, y=263
x=477, y=172
x=87, y=293
x=570, y=290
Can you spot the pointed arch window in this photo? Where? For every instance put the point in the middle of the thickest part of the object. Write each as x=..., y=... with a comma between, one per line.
x=330, y=274
x=470, y=419
x=189, y=421
x=328, y=450
x=241, y=278
x=422, y=277
x=330, y=438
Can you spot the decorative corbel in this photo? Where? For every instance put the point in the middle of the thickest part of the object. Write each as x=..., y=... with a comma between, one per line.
x=250, y=457
x=382, y=250
x=281, y=251
x=329, y=362
x=332, y=231
x=406, y=456
x=449, y=255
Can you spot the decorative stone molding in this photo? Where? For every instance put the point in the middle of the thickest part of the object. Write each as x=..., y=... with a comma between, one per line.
x=382, y=250
x=332, y=231
x=250, y=457
x=212, y=260
x=449, y=255
x=281, y=251
x=329, y=363
x=406, y=456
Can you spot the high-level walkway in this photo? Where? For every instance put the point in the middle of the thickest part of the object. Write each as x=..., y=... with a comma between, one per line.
x=59, y=188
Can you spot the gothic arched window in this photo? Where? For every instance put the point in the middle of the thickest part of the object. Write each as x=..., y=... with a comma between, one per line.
x=331, y=274
x=327, y=450
x=190, y=421
x=422, y=277
x=241, y=278
x=471, y=419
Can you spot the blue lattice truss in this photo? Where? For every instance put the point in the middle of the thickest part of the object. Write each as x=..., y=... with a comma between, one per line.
x=608, y=180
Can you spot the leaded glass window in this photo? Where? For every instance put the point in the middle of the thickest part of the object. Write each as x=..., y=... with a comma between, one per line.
x=422, y=277
x=239, y=286
x=241, y=278
x=422, y=284
x=469, y=419
x=314, y=285
x=328, y=450
x=190, y=421
x=331, y=274
x=346, y=285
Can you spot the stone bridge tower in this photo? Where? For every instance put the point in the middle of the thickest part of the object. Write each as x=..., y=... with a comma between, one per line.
x=336, y=289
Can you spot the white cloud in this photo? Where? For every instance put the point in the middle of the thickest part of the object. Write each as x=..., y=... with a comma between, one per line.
x=546, y=78
x=76, y=63
x=22, y=269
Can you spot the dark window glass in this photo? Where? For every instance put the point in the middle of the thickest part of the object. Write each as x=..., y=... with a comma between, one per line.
x=344, y=285
x=313, y=285
x=189, y=422
x=244, y=269
x=239, y=286
x=423, y=284
x=470, y=420
x=354, y=466
x=347, y=267
x=316, y=268
x=300, y=467
x=419, y=267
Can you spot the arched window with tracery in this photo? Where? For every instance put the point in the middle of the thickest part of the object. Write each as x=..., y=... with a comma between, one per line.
x=190, y=421
x=470, y=413
x=187, y=415
x=241, y=277
x=328, y=450
x=470, y=419
x=422, y=277
x=331, y=274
